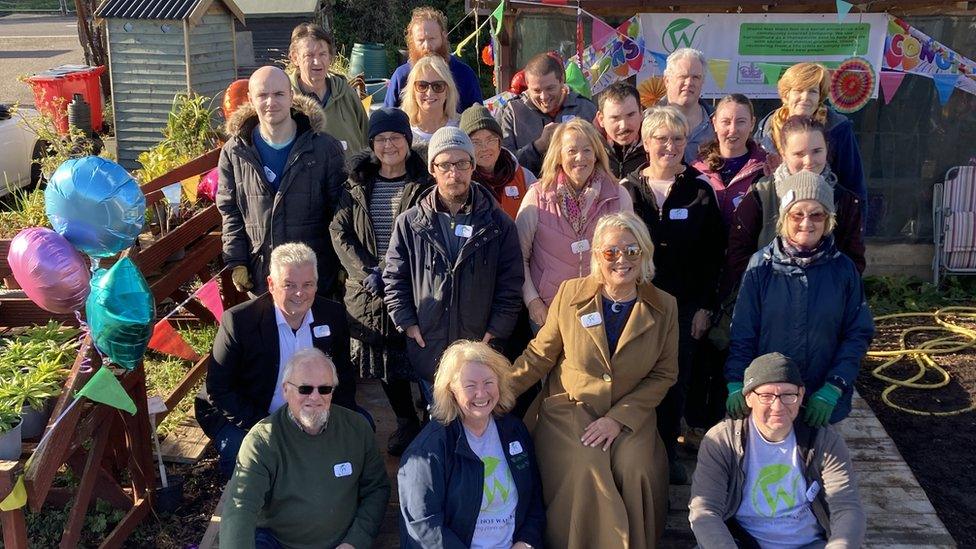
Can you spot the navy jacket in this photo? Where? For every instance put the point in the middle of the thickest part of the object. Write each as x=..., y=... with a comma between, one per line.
x=817, y=315
x=441, y=483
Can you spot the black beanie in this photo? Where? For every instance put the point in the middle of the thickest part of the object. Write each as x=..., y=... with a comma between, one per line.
x=389, y=119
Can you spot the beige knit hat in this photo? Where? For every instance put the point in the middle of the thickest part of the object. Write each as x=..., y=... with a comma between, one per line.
x=804, y=185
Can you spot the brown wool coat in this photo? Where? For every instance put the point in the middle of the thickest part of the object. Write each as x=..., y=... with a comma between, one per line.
x=618, y=498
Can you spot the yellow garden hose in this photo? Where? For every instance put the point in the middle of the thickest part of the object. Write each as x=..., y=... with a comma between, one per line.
x=959, y=339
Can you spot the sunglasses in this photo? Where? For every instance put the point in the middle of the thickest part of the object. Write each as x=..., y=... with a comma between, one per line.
x=631, y=252
x=307, y=389
x=438, y=86
x=816, y=217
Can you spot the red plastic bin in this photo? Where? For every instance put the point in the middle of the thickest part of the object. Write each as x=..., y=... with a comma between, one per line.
x=53, y=90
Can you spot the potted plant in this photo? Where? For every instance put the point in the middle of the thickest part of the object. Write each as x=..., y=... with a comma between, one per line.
x=34, y=390
x=10, y=440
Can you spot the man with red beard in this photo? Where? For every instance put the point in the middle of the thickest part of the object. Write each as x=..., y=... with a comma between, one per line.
x=620, y=118
x=426, y=34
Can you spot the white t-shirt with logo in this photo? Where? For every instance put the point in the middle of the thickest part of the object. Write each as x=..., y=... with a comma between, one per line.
x=775, y=507
x=496, y=520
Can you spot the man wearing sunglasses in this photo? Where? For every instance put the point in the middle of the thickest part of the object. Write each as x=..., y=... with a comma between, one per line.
x=454, y=265
x=769, y=480
x=309, y=475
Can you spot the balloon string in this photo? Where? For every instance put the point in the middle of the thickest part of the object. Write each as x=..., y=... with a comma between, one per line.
x=85, y=366
x=192, y=296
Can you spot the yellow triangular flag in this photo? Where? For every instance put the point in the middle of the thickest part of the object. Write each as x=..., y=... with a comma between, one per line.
x=17, y=497
x=190, y=185
x=470, y=37
x=720, y=71
x=367, y=102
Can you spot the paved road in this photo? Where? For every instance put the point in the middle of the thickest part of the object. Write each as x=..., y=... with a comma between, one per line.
x=30, y=44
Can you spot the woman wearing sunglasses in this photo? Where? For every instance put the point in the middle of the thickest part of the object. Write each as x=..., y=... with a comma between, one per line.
x=608, y=353
x=681, y=211
x=430, y=98
x=803, y=298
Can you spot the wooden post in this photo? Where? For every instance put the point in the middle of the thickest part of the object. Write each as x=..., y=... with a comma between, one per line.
x=14, y=528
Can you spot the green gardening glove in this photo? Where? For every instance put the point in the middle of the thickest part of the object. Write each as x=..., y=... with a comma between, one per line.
x=736, y=405
x=821, y=405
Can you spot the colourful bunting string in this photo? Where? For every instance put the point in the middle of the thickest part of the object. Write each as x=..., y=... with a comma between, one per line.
x=17, y=497
x=103, y=387
x=890, y=81
x=458, y=51
x=497, y=15
x=944, y=85
x=601, y=32
x=167, y=340
x=843, y=8
x=209, y=295
x=577, y=81
x=719, y=69
x=190, y=186
x=579, y=35
x=771, y=72
x=661, y=59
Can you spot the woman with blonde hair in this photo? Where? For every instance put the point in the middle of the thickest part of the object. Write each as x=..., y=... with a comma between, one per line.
x=804, y=89
x=430, y=98
x=559, y=213
x=470, y=477
x=608, y=354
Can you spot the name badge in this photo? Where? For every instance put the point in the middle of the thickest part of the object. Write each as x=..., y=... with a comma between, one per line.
x=269, y=174
x=567, y=117
x=345, y=146
x=678, y=213
x=813, y=490
x=511, y=191
x=580, y=246
x=737, y=200
x=514, y=448
x=321, y=331
x=592, y=319
x=464, y=231
x=342, y=469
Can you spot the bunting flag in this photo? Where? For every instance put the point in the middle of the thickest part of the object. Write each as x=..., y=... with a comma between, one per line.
x=167, y=340
x=719, y=69
x=601, y=32
x=577, y=81
x=17, y=497
x=209, y=295
x=945, y=84
x=890, y=81
x=367, y=102
x=497, y=15
x=771, y=72
x=458, y=51
x=843, y=8
x=103, y=387
x=173, y=193
x=661, y=59
x=190, y=186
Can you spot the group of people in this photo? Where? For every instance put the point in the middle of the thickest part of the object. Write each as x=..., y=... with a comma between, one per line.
x=566, y=284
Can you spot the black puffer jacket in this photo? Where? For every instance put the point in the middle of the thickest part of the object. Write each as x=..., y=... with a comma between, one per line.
x=355, y=243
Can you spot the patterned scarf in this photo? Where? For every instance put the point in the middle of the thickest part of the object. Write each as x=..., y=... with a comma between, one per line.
x=571, y=202
x=803, y=258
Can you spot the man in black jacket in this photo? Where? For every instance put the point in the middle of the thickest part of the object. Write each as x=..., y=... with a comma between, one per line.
x=454, y=265
x=620, y=118
x=255, y=341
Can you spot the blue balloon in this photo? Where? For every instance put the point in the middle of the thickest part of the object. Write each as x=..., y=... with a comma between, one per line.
x=96, y=205
x=120, y=313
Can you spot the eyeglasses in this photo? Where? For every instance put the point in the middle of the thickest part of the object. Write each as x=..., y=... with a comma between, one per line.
x=666, y=140
x=438, y=86
x=393, y=140
x=461, y=165
x=482, y=143
x=785, y=398
x=307, y=389
x=816, y=217
x=631, y=252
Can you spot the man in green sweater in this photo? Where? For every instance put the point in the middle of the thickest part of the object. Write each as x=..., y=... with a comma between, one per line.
x=307, y=475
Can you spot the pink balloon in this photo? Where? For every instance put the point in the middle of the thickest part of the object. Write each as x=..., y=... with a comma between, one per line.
x=49, y=269
x=208, y=185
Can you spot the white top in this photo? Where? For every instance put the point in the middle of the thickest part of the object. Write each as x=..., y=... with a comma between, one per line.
x=289, y=341
x=421, y=137
x=496, y=520
x=660, y=188
x=775, y=507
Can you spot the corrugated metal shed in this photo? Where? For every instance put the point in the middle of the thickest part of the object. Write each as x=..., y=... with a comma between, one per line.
x=178, y=10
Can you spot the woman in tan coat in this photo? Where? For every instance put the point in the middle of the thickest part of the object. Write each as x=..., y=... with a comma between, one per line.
x=609, y=347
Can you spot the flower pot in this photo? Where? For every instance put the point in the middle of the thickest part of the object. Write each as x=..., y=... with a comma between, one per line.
x=10, y=444
x=34, y=421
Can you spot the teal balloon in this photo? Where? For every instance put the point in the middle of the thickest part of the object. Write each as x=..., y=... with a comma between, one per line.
x=120, y=313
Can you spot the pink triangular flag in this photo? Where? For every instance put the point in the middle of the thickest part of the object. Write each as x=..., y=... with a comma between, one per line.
x=890, y=80
x=601, y=32
x=209, y=295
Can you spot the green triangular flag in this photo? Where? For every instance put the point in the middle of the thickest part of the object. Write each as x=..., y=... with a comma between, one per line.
x=770, y=72
x=576, y=80
x=497, y=15
x=104, y=388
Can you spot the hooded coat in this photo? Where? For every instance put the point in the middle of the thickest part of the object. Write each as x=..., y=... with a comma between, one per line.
x=345, y=117
x=255, y=218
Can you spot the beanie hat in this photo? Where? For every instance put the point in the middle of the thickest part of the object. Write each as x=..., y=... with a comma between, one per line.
x=770, y=368
x=390, y=119
x=804, y=185
x=448, y=138
x=478, y=117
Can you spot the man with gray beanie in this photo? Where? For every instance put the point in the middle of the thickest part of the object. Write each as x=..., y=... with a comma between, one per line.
x=454, y=265
x=769, y=480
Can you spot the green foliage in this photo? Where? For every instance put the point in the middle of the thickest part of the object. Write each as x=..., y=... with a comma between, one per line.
x=45, y=529
x=897, y=294
x=58, y=148
x=33, y=365
x=163, y=373
x=189, y=132
x=9, y=416
x=27, y=210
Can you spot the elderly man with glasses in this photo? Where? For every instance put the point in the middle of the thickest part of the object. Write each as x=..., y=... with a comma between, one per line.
x=771, y=481
x=309, y=475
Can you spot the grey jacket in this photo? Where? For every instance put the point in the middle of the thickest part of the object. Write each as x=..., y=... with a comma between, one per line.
x=522, y=123
x=481, y=292
x=716, y=491
x=256, y=218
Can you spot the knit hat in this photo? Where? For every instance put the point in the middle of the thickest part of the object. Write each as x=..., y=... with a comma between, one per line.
x=390, y=119
x=448, y=138
x=804, y=185
x=771, y=368
x=478, y=117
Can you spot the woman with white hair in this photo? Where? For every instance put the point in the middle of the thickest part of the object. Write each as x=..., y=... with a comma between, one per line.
x=470, y=478
x=608, y=353
x=430, y=98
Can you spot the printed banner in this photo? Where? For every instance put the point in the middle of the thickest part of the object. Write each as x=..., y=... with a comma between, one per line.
x=759, y=47
x=908, y=49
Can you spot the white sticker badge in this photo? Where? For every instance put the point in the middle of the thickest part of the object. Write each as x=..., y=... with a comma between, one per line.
x=342, y=469
x=345, y=146
x=737, y=200
x=269, y=174
x=592, y=319
x=580, y=246
x=678, y=213
x=464, y=231
x=321, y=331
x=511, y=191
x=514, y=448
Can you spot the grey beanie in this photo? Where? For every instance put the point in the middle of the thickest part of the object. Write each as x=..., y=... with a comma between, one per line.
x=478, y=117
x=770, y=368
x=446, y=139
x=804, y=185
